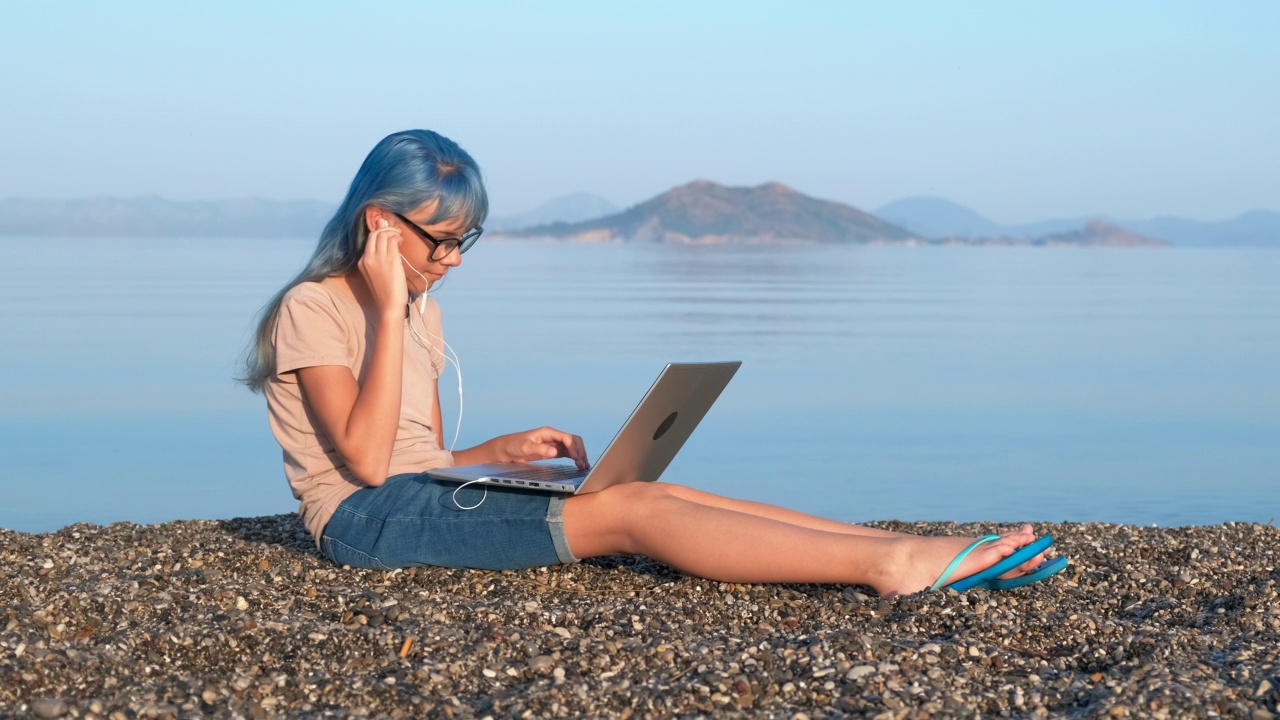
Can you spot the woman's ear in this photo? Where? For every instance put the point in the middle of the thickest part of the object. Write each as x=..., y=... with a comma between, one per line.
x=373, y=217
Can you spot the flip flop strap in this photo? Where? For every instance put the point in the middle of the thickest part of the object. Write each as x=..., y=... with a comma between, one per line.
x=946, y=574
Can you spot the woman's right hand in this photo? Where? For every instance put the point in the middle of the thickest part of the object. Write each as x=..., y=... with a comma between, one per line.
x=543, y=443
x=382, y=271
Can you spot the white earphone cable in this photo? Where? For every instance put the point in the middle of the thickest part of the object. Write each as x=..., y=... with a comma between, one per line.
x=449, y=356
x=484, y=497
x=457, y=367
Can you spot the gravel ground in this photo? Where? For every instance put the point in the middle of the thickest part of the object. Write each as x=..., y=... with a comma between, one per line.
x=242, y=618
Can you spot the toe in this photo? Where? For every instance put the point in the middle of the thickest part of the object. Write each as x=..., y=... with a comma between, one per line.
x=1026, y=567
x=1033, y=563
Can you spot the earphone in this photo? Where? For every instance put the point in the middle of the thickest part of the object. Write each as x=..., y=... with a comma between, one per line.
x=457, y=365
x=422, y=309
x=457, y=368
x=457, y=362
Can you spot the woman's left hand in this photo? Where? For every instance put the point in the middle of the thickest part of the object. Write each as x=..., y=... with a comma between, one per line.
x=540, y=444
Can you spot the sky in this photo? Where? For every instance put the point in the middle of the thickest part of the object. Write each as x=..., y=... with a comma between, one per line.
x=1021, y=111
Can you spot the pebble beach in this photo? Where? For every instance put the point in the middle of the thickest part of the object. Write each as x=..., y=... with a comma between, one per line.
x=244, y=619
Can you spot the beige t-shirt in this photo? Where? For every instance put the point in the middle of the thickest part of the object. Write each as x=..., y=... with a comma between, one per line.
x=320, y=326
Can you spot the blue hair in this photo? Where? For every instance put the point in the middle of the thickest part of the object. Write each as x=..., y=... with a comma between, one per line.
x=403, y=172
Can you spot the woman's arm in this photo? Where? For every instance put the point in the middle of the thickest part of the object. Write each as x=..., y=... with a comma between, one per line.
x=540, y=444
x=362, y=419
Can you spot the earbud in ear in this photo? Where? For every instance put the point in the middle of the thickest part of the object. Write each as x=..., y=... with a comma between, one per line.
x=382, y=223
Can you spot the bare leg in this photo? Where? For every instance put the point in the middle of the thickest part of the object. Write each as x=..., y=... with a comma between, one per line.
x=733, y=546
x=774, y=512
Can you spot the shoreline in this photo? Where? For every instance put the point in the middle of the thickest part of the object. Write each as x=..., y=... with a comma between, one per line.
x=243, y=618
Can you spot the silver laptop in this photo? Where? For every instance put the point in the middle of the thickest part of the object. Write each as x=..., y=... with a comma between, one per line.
x=642, y=449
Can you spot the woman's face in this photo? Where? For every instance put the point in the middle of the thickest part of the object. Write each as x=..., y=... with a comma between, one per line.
x=417, y=247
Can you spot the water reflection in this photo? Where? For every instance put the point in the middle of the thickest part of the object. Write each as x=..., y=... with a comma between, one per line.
x=930, y=383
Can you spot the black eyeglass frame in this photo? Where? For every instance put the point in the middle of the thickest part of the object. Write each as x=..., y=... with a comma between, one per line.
x=463, y=243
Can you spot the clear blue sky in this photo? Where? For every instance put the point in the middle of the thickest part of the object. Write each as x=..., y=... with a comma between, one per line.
x=1022, y=111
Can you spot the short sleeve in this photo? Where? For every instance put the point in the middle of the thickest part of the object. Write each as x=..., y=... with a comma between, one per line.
x=310, y=331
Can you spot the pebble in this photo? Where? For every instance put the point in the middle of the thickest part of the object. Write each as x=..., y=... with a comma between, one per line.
x=154, y=622
x=49, y=708
x=541, y=664
x=860, y=671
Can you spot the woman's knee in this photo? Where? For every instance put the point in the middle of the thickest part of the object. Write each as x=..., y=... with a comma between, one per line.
x=631, y=503
x=673, y=489
x=632, y=493
x=684, y=492
x=614, y=516
x=655, y=489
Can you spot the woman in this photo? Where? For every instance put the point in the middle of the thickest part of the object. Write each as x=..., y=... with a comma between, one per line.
x=349, y=355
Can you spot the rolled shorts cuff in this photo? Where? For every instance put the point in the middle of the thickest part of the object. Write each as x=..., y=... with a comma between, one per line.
x=555, y=523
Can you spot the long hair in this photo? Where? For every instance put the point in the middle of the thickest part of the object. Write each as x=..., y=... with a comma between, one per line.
x=402, y=173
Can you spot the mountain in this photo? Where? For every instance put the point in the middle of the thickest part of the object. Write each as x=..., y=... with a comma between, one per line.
x=154, y=216
x=707, y=212
x=935, y=217
x=1093, y=233
x=1099, y=233
x=1256, y=228
x=568, y=209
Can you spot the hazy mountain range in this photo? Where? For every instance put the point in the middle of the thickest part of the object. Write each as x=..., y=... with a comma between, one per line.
x=935, y=217
x=153, y=216
x=570, y=208
x=699, y=211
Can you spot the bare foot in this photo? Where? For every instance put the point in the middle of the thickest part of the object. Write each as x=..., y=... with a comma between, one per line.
x=915, y=563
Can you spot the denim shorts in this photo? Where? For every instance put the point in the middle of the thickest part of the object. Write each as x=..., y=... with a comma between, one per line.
x=413, y=520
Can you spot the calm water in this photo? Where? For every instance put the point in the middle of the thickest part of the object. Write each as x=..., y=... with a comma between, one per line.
x=1132, y=386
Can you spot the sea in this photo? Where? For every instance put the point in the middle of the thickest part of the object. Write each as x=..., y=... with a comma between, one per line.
x=1007, y=384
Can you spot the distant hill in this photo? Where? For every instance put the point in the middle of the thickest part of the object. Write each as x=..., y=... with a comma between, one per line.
x=1099, y=233
x=935, y=217
x=1256, y=228
x=569, y=209
x=157, y=217
x=249, y=217
x=707, y=212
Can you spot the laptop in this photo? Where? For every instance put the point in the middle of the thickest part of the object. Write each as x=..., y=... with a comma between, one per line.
x=642, y=449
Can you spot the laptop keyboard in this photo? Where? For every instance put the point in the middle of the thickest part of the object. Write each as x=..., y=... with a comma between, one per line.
x=545, y=473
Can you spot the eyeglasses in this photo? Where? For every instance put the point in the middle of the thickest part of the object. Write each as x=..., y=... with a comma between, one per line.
x=441, y=247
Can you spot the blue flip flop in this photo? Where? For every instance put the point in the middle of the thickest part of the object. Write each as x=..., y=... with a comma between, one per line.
x=1052, y=566
x=986, y=577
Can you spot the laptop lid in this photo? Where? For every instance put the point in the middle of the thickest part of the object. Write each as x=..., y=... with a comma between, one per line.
x=660, y=424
